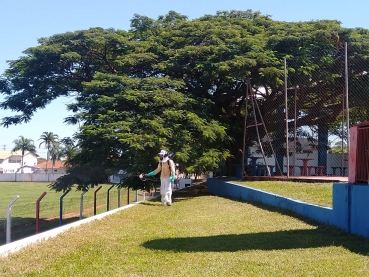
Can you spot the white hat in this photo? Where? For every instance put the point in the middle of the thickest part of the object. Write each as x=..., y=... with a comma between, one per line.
x=163, y=152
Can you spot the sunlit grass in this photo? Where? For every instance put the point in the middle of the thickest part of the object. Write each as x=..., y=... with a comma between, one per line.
x=199, y=235
x=315, y=193
x=23, y=211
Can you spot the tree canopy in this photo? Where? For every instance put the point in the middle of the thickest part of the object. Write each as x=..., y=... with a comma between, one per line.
x=178, y=84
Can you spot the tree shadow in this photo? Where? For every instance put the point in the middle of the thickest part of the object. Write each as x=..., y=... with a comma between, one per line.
x=179, y=195
x=280, y=240
x=323, y=235
x=24, y=227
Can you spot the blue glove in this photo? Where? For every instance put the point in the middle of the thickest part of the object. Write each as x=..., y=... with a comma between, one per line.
x=172, y=178
x=152, y=173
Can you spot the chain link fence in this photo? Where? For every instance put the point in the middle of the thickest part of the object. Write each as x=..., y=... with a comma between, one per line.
x=300, y=127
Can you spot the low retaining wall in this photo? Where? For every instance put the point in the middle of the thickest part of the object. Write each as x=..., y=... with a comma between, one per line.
x=350, y=209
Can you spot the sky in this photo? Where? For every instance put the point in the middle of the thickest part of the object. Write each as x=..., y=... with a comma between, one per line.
x=24, y=21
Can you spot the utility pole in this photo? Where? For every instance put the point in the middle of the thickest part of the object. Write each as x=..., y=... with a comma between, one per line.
x=4, y=147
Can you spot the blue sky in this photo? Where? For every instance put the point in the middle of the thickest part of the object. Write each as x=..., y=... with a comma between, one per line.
x=24, y=21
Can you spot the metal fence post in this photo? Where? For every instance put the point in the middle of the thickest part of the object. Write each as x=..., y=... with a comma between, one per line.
x=61, y=208
x=8, y=219
x=108, y=198
x=38, y=212
x=119, y=196
x=81, y=205
x=95, y=198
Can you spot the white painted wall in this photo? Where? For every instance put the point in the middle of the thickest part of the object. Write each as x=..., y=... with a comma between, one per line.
x=28, y=177
x=28, y=159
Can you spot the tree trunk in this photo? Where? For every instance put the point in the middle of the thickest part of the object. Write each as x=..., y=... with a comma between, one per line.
x=22, y=161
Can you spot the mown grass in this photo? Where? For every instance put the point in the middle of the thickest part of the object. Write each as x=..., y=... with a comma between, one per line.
x=23, y=211
x=199, y=235
x=315, y=193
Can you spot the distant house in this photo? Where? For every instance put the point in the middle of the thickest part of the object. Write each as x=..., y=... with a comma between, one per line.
x=49, y=167
x=11, y=162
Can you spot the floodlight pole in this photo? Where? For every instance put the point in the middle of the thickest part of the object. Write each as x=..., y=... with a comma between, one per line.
x=347, y=103
x=244, y=133
x=286, y=104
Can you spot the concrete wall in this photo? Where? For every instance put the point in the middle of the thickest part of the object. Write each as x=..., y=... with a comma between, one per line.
x=350, y=209
x=28, y=177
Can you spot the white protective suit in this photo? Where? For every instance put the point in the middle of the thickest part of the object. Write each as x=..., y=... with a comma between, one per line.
x=167, y=168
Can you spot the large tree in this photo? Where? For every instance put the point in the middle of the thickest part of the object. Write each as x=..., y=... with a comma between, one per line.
x=180, y=84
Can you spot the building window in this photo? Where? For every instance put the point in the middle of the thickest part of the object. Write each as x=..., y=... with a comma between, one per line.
x=15, y=160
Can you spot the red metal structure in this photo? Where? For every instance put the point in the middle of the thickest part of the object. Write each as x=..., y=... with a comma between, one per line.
x=38, y=212
x=359, y=154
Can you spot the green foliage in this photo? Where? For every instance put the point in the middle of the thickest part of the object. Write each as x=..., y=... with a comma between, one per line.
x=84, y=176
x=180, y=85
x=338, y=148
x=50, y=141
x=24, y=144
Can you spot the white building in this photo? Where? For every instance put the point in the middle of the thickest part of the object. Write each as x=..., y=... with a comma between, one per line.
x=11, y=162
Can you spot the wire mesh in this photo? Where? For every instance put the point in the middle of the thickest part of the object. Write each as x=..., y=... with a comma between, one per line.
x=303, y=122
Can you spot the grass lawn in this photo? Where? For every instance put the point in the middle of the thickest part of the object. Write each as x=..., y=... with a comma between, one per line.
x=315, y=193
x=199, y=235
x=23, y=212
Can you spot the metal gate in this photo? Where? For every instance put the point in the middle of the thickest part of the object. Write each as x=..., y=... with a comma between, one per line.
x=362, y=158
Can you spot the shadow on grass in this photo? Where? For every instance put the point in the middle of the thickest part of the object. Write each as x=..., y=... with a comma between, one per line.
x=280, y=240
x=22, y=231
x=182, y=194
x=322, y=236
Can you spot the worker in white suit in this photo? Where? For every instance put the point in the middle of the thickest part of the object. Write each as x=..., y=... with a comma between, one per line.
x=167, y=176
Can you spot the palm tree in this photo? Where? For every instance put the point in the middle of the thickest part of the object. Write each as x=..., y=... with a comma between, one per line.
x=24, y=144
x=69, y=149
x=50, y=140
x=69, y=153
x=56, y=153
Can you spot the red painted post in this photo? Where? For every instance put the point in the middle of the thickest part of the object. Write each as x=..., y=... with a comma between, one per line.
x=127, y=196
x=95, y=198
x=38, y=212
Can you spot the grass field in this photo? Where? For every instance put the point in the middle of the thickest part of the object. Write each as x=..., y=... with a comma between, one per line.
x=199, y=235
x=23, y=211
